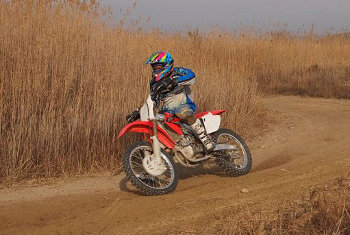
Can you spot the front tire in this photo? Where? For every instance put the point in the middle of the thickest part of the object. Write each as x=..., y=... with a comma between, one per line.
x=227, y=159
x=148, y=184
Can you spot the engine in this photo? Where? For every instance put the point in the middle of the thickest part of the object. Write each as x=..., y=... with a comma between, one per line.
x=189, y=147
x=186, y=140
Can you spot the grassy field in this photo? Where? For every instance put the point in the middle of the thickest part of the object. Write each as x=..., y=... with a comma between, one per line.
x=69, y=75
x=324, y=209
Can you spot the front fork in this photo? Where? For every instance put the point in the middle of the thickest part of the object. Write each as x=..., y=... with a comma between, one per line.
x=155, y=141
x=153, y=163
x=152, y=109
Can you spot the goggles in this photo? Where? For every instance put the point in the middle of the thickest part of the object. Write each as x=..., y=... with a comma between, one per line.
x=157, y=67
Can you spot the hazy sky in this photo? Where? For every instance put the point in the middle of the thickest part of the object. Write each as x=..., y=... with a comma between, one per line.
x=230, y=14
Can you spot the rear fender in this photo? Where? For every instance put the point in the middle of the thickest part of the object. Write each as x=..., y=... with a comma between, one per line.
x=214, y=112
x=146, y=127
x=175, y=119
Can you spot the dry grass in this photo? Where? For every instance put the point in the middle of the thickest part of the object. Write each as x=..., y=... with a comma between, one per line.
x=325, y=209
x=309, y=65
x=69, y=76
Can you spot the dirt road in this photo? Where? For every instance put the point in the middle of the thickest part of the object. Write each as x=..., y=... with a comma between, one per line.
x=311, y=147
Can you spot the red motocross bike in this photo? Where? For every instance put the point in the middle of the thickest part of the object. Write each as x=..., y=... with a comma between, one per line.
x=150, y=163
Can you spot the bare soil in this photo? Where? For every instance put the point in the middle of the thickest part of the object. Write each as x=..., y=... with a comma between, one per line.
x=311, y=146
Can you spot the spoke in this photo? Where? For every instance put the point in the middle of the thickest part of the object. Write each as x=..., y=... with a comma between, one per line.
x=164, y=182
x=157, y=180
x=154, y=183
x=223, y=142
x=135, y=167
x=134, y=159
x=166, y=179
x=167, y=173
x=137, y=162
x=139, y=170
x=139, y=156
x=161, y=183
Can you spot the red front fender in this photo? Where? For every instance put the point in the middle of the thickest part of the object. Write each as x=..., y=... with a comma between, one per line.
x=146, y=127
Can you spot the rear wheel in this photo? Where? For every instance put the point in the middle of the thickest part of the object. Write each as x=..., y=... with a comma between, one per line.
x=138, y=168
x=234, y=162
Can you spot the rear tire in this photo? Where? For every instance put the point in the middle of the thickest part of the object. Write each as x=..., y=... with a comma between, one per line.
x=148, y=184
x=227, y=162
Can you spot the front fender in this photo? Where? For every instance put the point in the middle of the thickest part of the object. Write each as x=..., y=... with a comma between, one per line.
x=146, y=127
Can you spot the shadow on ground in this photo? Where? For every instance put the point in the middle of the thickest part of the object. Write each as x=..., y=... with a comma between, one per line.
x=184, y=173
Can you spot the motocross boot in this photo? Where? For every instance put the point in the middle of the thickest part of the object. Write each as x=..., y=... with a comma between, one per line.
x=203, y=136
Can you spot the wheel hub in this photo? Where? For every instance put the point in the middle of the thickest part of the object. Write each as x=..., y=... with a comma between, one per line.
x=153, y=165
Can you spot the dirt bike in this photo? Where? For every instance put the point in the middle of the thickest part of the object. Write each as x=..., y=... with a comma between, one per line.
x=150, y=163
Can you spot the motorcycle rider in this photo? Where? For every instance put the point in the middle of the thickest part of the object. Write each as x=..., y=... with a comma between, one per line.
x=172, y=86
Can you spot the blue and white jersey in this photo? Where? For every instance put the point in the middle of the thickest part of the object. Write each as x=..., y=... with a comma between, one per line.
x=182, y=95
x=184, y=76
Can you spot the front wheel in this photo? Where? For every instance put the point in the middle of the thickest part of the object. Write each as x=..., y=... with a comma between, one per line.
x=234, y=162
x=137, y=167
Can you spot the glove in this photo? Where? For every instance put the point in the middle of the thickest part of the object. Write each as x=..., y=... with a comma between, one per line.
x=164, y=86
x=155, y=97
x=133, y=116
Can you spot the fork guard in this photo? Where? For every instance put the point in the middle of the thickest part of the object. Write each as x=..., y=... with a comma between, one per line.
x=146, y=127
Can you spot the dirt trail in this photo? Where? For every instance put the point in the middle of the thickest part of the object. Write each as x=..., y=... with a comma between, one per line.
x=311, y=147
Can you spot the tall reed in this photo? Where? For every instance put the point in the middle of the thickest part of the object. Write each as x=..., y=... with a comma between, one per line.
x=69, y=75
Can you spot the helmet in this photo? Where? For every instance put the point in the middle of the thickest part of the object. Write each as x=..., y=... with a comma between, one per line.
x=162, y=64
